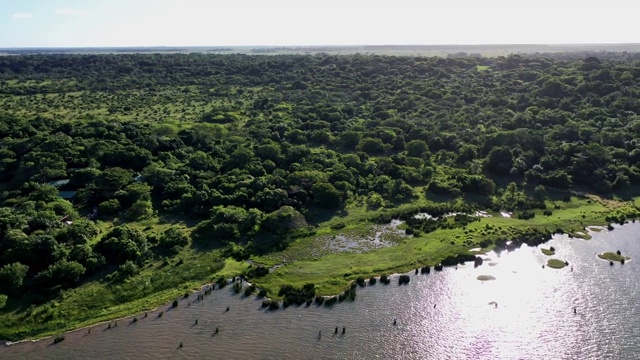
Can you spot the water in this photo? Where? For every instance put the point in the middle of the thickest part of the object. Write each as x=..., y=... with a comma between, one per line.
x=534, y=318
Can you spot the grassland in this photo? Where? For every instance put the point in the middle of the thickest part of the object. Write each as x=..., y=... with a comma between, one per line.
x=332, y=273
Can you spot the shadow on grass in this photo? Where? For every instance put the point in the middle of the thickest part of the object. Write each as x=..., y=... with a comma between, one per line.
x=205, y=246
x=317, y=215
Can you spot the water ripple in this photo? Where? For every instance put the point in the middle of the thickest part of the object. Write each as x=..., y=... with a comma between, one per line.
x=448, y=314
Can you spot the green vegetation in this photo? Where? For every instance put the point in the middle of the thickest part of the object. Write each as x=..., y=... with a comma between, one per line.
x=548, y=252
x=127, y=181
x=556, y=264
x=612, y=256
x=58, y=339
x=486, y=277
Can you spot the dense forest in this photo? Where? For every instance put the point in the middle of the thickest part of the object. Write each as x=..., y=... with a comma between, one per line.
x=250, y=149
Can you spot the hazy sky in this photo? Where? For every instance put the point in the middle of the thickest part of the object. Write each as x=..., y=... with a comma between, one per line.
x=27, y=23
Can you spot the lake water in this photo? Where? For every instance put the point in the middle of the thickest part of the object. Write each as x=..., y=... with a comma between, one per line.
x=534, y=317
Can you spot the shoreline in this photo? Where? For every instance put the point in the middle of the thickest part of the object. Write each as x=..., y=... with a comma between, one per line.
x=461, y=258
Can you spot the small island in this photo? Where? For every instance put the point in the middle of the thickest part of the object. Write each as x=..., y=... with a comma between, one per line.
x=556, y=264
x=549, y=252
x=485, y=277
x=614, y=256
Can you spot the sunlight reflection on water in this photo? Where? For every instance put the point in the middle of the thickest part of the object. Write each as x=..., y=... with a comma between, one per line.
x=534, y=317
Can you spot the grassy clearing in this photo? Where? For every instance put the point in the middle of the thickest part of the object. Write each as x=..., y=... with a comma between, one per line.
x=556, y=264
x=334, y=272
x=612, y=256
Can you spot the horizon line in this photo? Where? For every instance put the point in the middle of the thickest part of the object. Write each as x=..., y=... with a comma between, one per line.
x=312, y=46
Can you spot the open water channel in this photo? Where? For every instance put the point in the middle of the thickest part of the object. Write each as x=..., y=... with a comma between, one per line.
x=441, y=315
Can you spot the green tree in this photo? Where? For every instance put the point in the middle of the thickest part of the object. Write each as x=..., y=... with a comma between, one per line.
x=141, y=209
x=63, y=272
x=500, y=160
x=371, y=146
x=417, y=148
x=326, y=195
x=12, y=277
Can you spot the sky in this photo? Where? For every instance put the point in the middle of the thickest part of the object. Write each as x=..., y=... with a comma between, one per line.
x=103, y=23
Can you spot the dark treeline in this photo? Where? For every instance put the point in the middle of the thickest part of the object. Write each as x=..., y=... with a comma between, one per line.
x=287, y=135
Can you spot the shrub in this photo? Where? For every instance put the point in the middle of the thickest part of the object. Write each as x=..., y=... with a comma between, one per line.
x=404, y=279
x=175, y=303
x=372, y=281
x=330, y=301
x=274, y=305
x=525, y=214
x=258, y=271
x=385, y=280
x=58, y=339
x=297, y=296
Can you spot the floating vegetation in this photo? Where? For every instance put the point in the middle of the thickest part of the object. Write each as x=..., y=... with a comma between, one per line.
x=614, y=256
x=486, y=277
x=556, y=264
x=548, y=252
